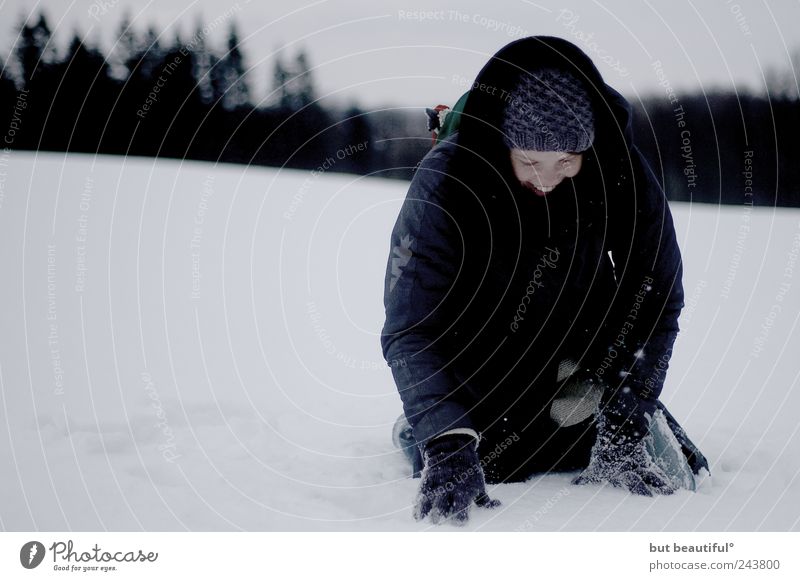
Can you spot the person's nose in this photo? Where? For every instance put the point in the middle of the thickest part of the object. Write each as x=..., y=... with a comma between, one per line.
x=550, y=176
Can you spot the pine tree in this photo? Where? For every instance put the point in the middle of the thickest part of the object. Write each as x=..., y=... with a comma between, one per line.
x=304, y=82
x=203, y=61
x=34, y=51
x=127, y=50
x=356, y=130
x=151, y=54
x=237, y=93
x=294, y=86
x=280, y=78
x=781, y=83
x=81, y=105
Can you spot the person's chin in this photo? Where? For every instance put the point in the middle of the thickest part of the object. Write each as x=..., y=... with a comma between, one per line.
x=537, y=191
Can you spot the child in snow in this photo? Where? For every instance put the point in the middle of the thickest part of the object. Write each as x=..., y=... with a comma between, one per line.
x=532, y=293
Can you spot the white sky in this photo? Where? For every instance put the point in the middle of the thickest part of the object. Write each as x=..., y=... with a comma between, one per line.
x=380, y=53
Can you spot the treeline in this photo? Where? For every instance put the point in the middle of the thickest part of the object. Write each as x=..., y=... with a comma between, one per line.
x=182, y=98
x=724, y=147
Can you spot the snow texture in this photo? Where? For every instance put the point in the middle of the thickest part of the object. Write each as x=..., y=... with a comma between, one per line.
x=190, y=346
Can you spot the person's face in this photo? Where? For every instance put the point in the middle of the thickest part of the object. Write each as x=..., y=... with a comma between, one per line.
x=541, y=171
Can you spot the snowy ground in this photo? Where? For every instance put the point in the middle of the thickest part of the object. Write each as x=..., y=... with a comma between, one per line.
x=184, y=346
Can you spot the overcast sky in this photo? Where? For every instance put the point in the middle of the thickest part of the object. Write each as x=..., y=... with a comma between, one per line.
x=417, y=53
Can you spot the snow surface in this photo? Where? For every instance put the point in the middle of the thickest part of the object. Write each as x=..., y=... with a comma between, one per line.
x=216, y=363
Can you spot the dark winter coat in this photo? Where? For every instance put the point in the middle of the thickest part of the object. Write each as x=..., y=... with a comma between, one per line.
x=488, y=287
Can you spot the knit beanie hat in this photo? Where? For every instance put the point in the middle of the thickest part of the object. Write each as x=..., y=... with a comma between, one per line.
x=548, y=110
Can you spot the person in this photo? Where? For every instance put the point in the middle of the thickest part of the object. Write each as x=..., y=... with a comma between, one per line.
x=532, y=293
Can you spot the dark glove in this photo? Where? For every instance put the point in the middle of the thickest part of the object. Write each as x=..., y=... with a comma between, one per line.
x=619, y=455
x=451, y=480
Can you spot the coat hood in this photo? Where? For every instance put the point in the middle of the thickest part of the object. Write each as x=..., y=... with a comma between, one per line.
x=482, y=115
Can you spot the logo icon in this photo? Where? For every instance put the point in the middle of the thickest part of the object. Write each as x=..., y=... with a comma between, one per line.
x=31, y=554
x=400, y=260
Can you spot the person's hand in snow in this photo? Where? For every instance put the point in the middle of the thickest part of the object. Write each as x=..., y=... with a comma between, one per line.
x=619, y=455
x=627, y=466
x=452, y=480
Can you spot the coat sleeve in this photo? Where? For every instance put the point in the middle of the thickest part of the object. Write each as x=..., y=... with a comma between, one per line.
x=422, y=303
x=643, y=321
